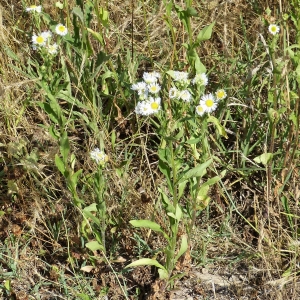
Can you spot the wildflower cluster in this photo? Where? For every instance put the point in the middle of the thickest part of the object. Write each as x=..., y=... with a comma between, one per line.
x=209, y=102
x=99, y=156
x=148, y=91
x=42, y=40
x=181, y=89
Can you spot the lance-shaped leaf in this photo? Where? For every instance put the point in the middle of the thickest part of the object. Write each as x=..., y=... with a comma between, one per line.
x=148, y=224
x=183, y=247
x=146, y=262
x=264, y=158
x=205, y=33
x=197, y=171
x=217, y=123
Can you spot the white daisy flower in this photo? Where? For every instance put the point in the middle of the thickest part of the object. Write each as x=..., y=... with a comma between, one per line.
x=274, y=29
x=174, y=93
x=200, y=79
x=47, y=34
x=150, y=77
x=155, y=74
x=209, y=102
x=152, y=74
x=220, y=94
x=200, y=110
x=99, y=156
x=61, y=29
x=180, y=76
x=185, y=95
x=139, y=87
x=154, y=104
x=39, y=40
x=143, y=95
x=143, y=108
x=52, y=49
x=34, y=8
x=154, y=88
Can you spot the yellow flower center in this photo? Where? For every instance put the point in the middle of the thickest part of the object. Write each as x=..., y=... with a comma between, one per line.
x=154, y=105
x=199, y=108
x=209, y=103
x=40, y=40
x=61, y=28
x=220, y=94
x=100, y=155
x=33, y=6
x=153, y=89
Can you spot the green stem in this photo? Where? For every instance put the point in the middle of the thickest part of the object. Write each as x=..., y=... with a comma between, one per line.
x=173, y=223
x=188, y=22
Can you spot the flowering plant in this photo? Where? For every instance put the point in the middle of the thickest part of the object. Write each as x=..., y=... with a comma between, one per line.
x=180, y=110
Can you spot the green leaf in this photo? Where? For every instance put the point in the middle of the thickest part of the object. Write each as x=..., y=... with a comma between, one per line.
x=103, y=14
x=178, y=213
x=202, y=193
x=84, y=297
x=79, y=13
x=94, y=246
x=163, y=274
x=293, y=118
x=7, y=285
x=197, y=171
x=194, y=60
x=89, y=215
x=51, y=113
x=205, y=33
x=183, y=247
x=171, y=73
x=65, y=95
x=148, y=224
x=53, y=132
x=181, y=188
x=167, y=203
x=60, y=164
x=298, y=73
x=165, y=169
x=264, y=158
x=74, y=178
x=64, y=147
x=217, y=123
x=170, y=214
x=199, y=67
x=191, y=12
x=96, y=35
x=273, y=115
x=211, y=181
x=11, y=54
x=91, y=207
x=59, y=5
x=146, y=262
x=194, y=141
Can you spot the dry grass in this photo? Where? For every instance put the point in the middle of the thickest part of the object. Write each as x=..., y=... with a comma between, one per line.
x=245, y=244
